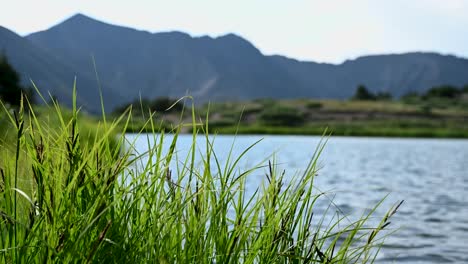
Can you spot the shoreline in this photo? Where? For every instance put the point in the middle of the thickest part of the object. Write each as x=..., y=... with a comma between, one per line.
x=282, y=131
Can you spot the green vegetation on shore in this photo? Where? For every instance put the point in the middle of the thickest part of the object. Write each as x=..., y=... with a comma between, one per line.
x=67, y=195
x=411, y=116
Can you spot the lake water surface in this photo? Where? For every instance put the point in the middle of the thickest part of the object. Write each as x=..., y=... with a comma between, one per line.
x=431, y=175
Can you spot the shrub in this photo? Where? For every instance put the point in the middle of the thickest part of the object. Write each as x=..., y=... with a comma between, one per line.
x=445, y=91
x=159, y=104
x=363, y=94
x=314, y=105
x=282, y=116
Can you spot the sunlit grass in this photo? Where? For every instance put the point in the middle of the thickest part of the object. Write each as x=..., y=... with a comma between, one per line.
x=72, y=192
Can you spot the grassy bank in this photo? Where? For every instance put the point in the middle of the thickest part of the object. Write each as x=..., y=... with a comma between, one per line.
x=356, y=129
x=67, y=195
x=440, y=118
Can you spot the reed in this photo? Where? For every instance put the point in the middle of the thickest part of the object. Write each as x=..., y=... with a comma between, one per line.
x=69, y=194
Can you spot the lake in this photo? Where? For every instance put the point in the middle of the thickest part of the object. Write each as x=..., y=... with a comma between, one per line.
x=430, y=175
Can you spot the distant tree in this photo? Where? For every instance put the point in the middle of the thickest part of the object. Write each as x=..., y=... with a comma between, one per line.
x=363, y=94
x=10, y=88
x=161, y=104
x=444, y=91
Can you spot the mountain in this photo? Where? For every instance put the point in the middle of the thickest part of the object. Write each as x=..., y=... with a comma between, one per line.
x=401, y=73
x=394, y=73
x=49, y=73
x=166, y=64
x=130, y=62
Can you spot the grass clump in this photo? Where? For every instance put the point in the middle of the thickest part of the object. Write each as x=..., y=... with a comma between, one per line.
x=66, y=196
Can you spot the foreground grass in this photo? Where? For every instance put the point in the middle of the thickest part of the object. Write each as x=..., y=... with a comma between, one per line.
x=68, y=196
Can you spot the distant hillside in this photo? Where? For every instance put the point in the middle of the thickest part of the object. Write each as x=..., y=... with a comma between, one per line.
x=131, y=62
x=172, y=63
x=396, y=73
x=49, y=73
x=401, y=73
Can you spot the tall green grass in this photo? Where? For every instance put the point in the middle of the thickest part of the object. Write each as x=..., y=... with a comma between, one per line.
x=67, y=195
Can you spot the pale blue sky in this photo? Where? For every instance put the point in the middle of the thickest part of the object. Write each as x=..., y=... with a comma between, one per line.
x=318, y=30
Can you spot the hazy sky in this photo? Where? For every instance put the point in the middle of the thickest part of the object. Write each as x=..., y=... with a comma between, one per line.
x=319, y=30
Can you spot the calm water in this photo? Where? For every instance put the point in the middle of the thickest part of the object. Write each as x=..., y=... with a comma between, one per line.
x=431, y=175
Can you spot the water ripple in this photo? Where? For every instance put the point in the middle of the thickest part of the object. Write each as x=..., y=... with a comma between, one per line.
x=430, y=175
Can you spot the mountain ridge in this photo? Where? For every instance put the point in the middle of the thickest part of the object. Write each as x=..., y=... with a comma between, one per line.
x=132, y=62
